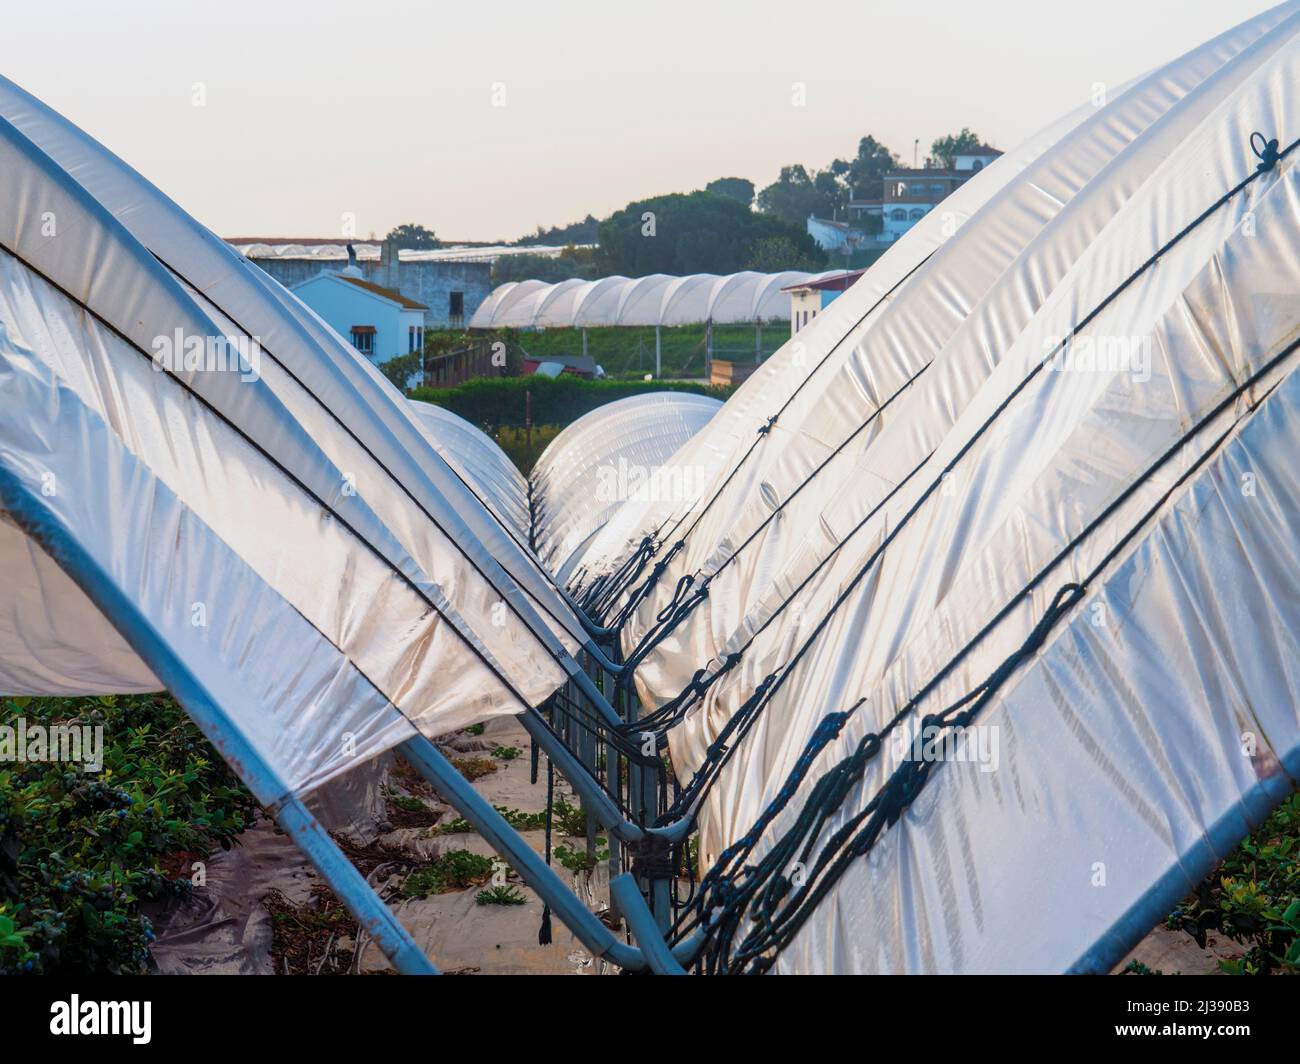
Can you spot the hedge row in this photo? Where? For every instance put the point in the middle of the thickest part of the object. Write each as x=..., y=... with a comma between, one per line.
x=496, y=403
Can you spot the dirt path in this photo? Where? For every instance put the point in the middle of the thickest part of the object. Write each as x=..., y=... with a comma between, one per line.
x=460, y=935
x=263, y=909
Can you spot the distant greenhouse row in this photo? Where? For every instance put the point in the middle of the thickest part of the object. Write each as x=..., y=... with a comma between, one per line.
x=659, y=299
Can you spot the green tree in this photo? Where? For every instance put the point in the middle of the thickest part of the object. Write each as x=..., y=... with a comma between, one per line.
x=738, y=188
x=583, y=232
x=869, y=167
x=795, y=194
x=414, y=236
x=773, y=254
x=571, y=262
x=832, y=183
x=798, y=191
x=695, y=233
x=945, y=150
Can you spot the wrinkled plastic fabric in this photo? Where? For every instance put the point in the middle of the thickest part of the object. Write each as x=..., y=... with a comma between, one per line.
x=388, y=603
x=906, y=521
x=938, y=337
x=292, y=695
x=614, y=458
x=1159, y=720
x=353, y=413
x=480, y=462
x=1132, y=755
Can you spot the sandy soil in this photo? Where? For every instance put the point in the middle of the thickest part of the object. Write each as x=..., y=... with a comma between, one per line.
x=226, y=928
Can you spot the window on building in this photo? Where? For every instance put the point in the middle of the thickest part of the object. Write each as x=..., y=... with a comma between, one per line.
x=363, y=338
x=936, y=188
x=917, y=213
x=414, y=339
x=898, y=215
x=456, y=308
x=978, y=164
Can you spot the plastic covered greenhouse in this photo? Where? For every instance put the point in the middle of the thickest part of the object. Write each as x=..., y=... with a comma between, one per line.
x=659, y=300
x=985, y=579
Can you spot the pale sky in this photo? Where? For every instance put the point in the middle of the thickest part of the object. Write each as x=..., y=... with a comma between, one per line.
x=385, y=110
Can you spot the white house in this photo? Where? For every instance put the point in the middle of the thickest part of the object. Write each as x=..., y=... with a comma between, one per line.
x=908, y=196
x=381, y=323
x=976, y=158
x=809, y=298
x=832, y=235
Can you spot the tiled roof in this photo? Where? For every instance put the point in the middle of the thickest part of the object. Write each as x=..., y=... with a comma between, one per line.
x=379, y=290
x=838, y=283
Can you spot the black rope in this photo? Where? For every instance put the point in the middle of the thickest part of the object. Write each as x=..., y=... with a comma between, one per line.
x=777, y=907
x=674, y=710
x=652, y=858
x=541, y=637
x=762, y=890
x=544, y=931
x=762, y=433
x=607, y=585
x=719, y=752
x=676, y=611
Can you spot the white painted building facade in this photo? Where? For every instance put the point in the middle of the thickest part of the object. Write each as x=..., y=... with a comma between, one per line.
x=379, y=322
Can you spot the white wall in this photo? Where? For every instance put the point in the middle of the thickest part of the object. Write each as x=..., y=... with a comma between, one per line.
x=343, y=305
x=894, y=229
x=828, y=237
x=804, y=305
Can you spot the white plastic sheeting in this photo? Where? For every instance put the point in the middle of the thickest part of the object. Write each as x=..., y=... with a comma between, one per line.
x=480, y=462
x=887, y=509
x=1160, y=717
x=343, y=400
x=368, y=251
x=658, y=299
x=613, y=461
x=946, y=325
x=283, y=541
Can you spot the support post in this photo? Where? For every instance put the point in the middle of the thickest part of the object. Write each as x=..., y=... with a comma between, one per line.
x=36, y=519
x=375, y=918
x=566, y=905
x=658, y=353
x=631, y=904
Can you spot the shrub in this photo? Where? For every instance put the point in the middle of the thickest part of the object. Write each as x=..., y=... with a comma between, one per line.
x=473, y=768
x=523, y=447
x=80, y=852
x=500, y=896
x=576, y=860
x=570, y=820
x=516, y=818
x=494, y=402
x=1254, y=898
x=454, y=870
